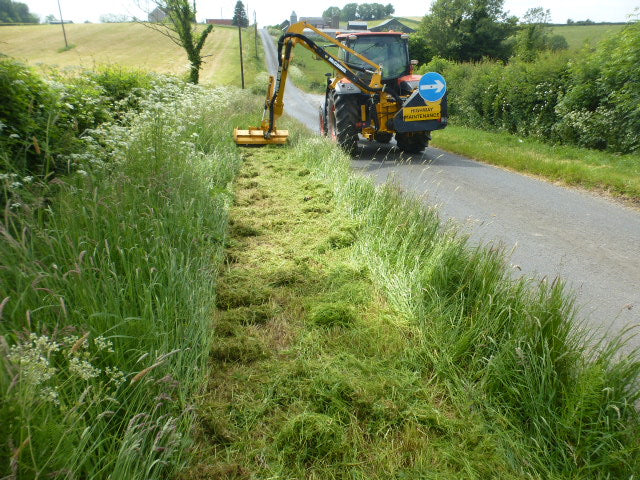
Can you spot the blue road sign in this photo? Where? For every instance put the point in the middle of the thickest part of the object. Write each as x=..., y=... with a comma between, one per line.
x=432, y=86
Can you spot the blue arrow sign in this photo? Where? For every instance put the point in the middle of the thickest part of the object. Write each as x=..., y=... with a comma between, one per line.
x=432, y=86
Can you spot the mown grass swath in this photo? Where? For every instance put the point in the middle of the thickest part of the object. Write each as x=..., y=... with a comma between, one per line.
x=107, y=285
x=511, y=348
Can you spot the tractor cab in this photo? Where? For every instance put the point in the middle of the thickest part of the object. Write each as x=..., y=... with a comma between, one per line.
x=389, y=49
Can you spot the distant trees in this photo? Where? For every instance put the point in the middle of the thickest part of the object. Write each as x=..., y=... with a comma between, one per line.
x=467, y=30
x=534, y=35
x=114, y=18
x=363, y=11
x=240, y=15
x=16, y=12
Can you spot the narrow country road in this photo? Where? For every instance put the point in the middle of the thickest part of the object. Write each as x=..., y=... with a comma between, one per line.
x=592, y=243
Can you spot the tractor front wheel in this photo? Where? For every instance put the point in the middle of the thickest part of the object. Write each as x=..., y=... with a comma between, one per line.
x=413, y=142
x=343, y=115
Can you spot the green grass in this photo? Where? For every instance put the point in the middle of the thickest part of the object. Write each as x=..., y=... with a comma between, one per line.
x=111, y=271
x=357, y=337
x=618, y=175
x=308, y=73
x=578, y=35
x=313, y=373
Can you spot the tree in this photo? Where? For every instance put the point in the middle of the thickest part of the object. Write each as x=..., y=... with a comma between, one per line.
x=331, y=12
x=533, y=35
x=240, y=15
x=468, y=30
x=388, y=10
x=182, y=29
x=349, y=11
x=50, y=18
x=16, y=12
x=114, y=18
x=364, y=11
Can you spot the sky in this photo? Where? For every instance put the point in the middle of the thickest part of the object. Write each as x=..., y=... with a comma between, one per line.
x=269, y=12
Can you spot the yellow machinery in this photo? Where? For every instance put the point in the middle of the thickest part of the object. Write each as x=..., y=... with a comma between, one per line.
x=360, y=99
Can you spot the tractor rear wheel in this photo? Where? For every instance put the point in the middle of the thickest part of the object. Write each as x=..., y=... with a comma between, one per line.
x=383, y=137
x=413, y=142
x=343, y=115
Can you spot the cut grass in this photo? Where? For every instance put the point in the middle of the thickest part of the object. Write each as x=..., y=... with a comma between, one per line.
x=330, y=383
x=618, y=175
x=400, y=352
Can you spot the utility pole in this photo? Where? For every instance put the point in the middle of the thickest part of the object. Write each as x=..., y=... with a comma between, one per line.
x=241, y=65
x=66, y=45
x=255, y=36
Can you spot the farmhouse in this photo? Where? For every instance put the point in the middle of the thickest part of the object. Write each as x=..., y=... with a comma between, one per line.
x=220, y=21
x=157, y=15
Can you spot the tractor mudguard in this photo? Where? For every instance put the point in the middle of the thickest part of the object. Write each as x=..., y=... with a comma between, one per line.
x=346, y=88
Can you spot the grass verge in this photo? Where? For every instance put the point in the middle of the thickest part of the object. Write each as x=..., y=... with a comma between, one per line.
x=618, y=175
x=356, y=337
x=107, y=295
x=313, y=373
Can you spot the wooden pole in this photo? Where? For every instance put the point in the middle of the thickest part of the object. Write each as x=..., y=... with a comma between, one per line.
x=66, y=45
x=255, y=24
x=241, y=64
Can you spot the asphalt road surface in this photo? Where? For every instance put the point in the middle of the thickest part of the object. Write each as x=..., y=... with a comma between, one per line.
x=591, y=243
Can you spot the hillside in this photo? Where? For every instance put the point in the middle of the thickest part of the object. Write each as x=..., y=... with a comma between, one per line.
x=128, y=44
x=577, y=35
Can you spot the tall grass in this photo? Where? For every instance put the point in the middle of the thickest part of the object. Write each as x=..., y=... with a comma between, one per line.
x=511, y=348
x=106, y=292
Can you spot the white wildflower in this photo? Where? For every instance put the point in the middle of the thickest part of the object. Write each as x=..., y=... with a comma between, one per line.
x=82, y=172
x=32, y=358
x=50, y=394
x=116, y=376
x=83, y=369
x=102, y=343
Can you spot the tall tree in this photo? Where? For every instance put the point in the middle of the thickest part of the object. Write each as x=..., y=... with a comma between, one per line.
x=364, y=11
x=349, y=12
x=534, y=33
x=468, y=30
x=240, y=15
x=388, y=10
x=16, y=12
x=183, y=30
x=331, y=12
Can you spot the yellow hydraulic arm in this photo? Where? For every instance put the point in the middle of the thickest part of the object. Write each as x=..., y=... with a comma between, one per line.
x=267, y=133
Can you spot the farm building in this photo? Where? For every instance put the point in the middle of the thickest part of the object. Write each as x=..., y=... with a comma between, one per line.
x=393, y=24
x=157, y=15
x=357, y=25
x=220, y=21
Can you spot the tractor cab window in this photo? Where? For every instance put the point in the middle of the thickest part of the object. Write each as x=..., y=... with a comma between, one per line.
x=390, y=51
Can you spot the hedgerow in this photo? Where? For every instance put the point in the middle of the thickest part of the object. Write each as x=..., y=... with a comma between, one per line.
x=590, y=100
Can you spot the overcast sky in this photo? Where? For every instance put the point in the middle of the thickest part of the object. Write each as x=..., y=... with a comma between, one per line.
x=270, y=12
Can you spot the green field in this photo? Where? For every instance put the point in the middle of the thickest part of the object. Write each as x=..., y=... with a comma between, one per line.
x=131, y=45
x=578, y=35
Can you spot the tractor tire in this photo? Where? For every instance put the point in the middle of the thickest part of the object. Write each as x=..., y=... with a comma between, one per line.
x=383, y=137
x=343, y=114
x=414, y=142
x=322, y=122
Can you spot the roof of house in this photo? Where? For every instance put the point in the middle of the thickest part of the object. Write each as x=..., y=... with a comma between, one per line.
x=392, y=23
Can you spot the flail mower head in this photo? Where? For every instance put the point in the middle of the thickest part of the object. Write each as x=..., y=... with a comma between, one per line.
x=266, y=133
x=260, y=136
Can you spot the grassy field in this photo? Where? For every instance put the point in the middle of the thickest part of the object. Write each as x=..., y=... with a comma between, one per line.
x=131, y=45
x=579, y=35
